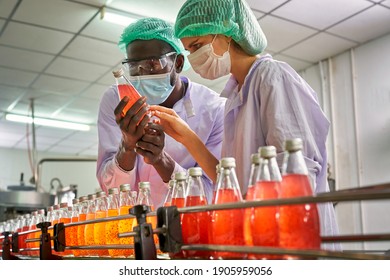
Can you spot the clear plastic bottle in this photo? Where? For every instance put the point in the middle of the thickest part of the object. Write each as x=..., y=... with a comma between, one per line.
x=195, y=225
x=72, y=231
x=125, y=225
x=99, y=231
x=125, y=88
x=145, y=198
x=178, y=200
x=112, y=227
x=82, y=213
x=168, y=197
x=89, y=228
x=298, y=224
x=227, y=225
x=178, y=193
x=264, y=222
x=31, y=226
x=255, y=163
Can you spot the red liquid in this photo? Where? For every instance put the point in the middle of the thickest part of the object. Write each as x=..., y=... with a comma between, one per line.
x=264, y=222
x=179, y=203
x=227, y=226
x=248, y=217
x=195, y=228
x=299, y=224
x=131, y=93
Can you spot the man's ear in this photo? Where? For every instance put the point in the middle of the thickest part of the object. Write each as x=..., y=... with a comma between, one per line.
x=179, y=63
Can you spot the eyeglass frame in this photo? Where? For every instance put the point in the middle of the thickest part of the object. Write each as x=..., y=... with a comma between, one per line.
x=126, y=62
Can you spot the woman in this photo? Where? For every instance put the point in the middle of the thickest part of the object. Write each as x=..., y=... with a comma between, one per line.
x=267, y=101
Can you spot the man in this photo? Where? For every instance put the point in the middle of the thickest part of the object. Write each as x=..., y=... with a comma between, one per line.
x=132, y=148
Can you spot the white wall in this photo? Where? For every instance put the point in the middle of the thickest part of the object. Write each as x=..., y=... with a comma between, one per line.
x=354, y=89
x=13, y=162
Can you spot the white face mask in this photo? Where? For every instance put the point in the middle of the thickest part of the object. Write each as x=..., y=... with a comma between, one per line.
x=208, y=64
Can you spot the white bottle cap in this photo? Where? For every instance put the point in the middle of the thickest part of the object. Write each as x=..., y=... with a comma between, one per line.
x=100, y=194
x=144, y=185
x=181, y=175
x=83, y=198
x=113, y=191
x=125, y=187
x=267, y=151
x=118, y=73
x=228, y=162
x=293, y=145
x=63, y=204
x=255, y=158
x=195, y=171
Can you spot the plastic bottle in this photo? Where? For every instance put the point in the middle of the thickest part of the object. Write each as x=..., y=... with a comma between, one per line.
x=227, y=225
x=89, y=228
x=145, y=198
x=32, y=226
x=178, y=200
x=255, y=163
x=99, y=230
x=264, y=222
x=299, y=226
x=125, y=88
x=178, y=192
x=195, y=225
x=82, y=216
x=125, y=225
x=71, y=239
x=111, y=229
x=168, y=197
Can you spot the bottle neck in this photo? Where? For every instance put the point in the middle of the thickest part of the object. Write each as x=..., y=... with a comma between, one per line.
x=294, y=163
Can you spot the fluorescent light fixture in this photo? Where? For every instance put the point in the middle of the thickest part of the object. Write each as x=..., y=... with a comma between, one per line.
x=47, y=122
x=117, y=18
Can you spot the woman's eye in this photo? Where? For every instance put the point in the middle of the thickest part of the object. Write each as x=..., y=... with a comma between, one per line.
x=197, y=46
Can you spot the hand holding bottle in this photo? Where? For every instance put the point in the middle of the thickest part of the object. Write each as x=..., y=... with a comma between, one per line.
x=133, y=123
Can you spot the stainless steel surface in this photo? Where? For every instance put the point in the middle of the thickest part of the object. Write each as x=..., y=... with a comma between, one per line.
x=24, y=199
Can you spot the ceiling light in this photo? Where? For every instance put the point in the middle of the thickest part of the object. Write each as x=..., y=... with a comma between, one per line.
x=47, y=122
x=116, y=18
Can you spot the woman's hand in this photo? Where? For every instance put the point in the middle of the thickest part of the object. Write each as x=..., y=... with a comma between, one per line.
x=172, y=124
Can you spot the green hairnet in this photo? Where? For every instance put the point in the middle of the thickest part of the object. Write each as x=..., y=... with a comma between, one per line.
x=148, y=29
x=232, y=18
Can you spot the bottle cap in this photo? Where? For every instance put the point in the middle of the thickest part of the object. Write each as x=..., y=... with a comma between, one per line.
x=100, y=194
x=144, y=185
x=83, y=198
x=56, y=207
x=228, y=162
x=41, y=211
x=113, y=191
x=125, y=187
x=91, y=196
x=181, y=175
x=171, y=183
x=75, y=200
x=218, y=168
x=50, y=208
x=293, y=145
x=118, y=73
x=63, y=204
x=267, y=151
x=255, y=158
x=70, y=208
x=195, y=171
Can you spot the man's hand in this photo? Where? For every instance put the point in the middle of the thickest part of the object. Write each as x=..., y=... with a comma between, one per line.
x=133, y=123
x=151, y=145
